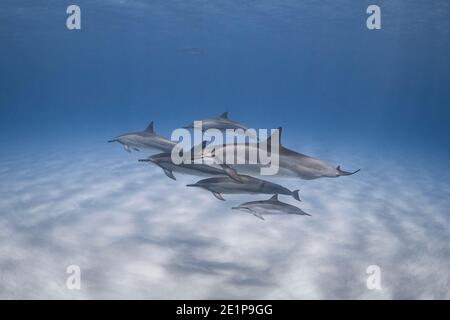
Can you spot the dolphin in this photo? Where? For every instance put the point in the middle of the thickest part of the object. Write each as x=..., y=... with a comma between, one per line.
x=248, y=185
x=291, y=163
x=271, y=206
x=164, y=161
x=221, y=123
x=146, y=139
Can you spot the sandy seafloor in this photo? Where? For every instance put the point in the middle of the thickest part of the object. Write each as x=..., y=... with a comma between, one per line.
x=137, y=234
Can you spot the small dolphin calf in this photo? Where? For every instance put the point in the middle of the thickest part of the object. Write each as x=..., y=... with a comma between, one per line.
x=146, y=139
x=164, y=161
x=221, y=123
x=271, y=206
x=248, y=185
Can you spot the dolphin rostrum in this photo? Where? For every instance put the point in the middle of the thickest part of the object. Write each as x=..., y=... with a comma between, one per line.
x=247, y=185
x=146, y=139
x=164, y=161
x=221, y=123
x=291, y=163
x=271, y=206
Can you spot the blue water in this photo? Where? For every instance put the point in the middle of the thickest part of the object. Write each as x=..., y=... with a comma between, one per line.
x=375, y=99
x=314, y=69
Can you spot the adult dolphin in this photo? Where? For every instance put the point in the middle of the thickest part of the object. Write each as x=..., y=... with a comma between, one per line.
x=221, y=123
x=247, y=185
x=291, y=163
x=164, y=161
x=269, y=207
x=146, y=139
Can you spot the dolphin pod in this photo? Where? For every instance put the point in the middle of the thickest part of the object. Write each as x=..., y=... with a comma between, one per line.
x=146, y=139
x=248, y=185
x=269, y=207
x=234, y=179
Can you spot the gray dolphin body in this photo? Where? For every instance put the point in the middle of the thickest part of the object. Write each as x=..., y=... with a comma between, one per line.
x=291, y=163
x=247, y=185
x=164, y=161
x=221, y=123
x=146, y=139
x=269, y=207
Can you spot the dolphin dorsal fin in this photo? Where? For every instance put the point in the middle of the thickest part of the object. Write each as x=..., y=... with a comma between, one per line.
x=274, y=198
x=149, y=128
x=269, y=139
x=224, y=115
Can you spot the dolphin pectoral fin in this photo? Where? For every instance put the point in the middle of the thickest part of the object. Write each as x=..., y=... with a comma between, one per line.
x=218, y=196
x=126, y=148
x=345, y=173
x=231, y=173
x=258, y=215
x=295, y=195
x=169, y=173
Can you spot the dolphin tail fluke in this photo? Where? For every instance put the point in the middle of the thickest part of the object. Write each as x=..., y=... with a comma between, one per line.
x=345, y=173
x=218, y=196
x=231, y=173
x=295, y=195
